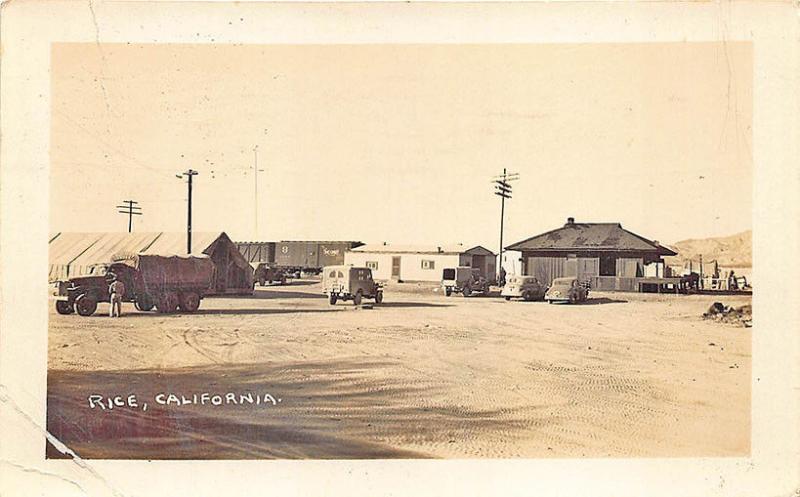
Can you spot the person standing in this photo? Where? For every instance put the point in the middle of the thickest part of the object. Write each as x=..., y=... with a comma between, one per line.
x=116, y=289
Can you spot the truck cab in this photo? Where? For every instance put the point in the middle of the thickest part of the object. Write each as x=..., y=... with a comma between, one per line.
x=82, y=293
x=265, y=273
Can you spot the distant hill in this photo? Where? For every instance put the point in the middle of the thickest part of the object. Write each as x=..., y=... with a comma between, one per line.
x=734, y=251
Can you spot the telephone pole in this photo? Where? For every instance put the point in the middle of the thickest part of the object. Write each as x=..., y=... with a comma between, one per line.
x=131, y=209
x=255, y=197
x=502, y=186
x=189, y=174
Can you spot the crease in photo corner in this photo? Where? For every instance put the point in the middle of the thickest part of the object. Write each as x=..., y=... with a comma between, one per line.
x=8, y=401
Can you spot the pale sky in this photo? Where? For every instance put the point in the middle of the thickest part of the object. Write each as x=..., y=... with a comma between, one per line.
x=398, y=143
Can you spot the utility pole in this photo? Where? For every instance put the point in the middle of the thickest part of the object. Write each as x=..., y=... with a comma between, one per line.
x=502, y=185
x=255, y=197
x=131, y=209
x=189, y=174
x=700, y=280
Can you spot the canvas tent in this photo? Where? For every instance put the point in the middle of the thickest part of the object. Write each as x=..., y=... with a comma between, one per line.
x=73, y=254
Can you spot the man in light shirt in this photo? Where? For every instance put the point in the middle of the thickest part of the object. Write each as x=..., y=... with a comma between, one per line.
x=116, y=290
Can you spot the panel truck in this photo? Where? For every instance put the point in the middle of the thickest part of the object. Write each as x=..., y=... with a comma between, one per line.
x=350, y=283
x=165, y=282
x=464, y=280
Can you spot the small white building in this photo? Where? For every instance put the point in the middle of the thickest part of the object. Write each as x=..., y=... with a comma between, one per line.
x=419, y=263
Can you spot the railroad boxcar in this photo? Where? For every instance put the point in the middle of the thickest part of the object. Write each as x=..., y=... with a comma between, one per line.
x=311, y=256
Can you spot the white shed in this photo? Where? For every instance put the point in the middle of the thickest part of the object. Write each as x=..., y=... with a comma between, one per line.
x=419, y=263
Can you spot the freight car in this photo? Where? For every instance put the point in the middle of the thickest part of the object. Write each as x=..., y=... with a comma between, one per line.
x=295, y=256
x=257, y=252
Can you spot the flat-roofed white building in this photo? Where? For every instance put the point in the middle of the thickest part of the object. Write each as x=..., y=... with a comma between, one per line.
x=419, y=262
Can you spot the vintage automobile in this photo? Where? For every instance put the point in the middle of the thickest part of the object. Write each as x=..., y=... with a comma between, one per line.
x=568, y=290
x=265, y=273
x=464, y=280
x=167, y=283
x=350, y=283
x=526, y=287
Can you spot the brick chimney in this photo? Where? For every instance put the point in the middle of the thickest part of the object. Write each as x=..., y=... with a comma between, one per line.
x=570, y=221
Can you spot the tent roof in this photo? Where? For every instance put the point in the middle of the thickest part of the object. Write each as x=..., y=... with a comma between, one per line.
x=82, y=249
x=590, y=237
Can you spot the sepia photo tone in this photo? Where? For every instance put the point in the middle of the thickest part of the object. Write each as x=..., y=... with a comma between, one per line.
x=400, y=251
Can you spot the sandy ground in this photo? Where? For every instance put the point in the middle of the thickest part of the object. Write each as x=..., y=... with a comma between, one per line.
x=421, y=375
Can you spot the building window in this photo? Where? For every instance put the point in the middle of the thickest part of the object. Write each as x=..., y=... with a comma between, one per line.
x=372, y=265
x=608, y=265
x=427, y=264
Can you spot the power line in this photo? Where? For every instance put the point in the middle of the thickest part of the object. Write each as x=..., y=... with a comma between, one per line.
x=131, y=209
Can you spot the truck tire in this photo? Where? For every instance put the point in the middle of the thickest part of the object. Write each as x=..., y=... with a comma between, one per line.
x=332, y=299
x=527, y=296
x=262, y=282
x=573, y=298
x=379, y=297
x=64, y=307
x=85, y=305
x=144, y=302
x=507, y=298
x=189, y=301
x=357, y=298
x=167, y=303
x=467, y=291
x=448, y=291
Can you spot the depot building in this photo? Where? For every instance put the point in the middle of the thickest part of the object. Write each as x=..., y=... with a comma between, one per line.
x=605, y=255
x=407, y=263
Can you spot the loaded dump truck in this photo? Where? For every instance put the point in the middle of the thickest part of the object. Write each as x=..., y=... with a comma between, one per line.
x=166, y=283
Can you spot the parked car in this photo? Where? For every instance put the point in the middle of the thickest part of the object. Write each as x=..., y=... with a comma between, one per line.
x=566, y=290
x=265, y=273
x=464, y=280
x=525, y=287
x=350, y=283
x=167, y=283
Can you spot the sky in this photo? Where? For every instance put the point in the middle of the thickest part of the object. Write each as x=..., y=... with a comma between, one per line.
x=399, y=143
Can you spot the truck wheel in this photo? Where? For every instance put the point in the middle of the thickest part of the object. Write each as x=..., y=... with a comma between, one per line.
x=262, y=282
x=144, y=302
x=64, y=307
x=332, y=299
x=527, y=296
x=167, y=303
x=573, y=299
x=448, y=292
x=189, y=301
x=283, y=280
x=467, y=291
x=85, y=305
x=508, y=298
x=357, y=298
x=379, y=297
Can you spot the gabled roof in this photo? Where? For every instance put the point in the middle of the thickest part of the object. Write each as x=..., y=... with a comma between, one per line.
x=455, y=249
x=590, y=237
